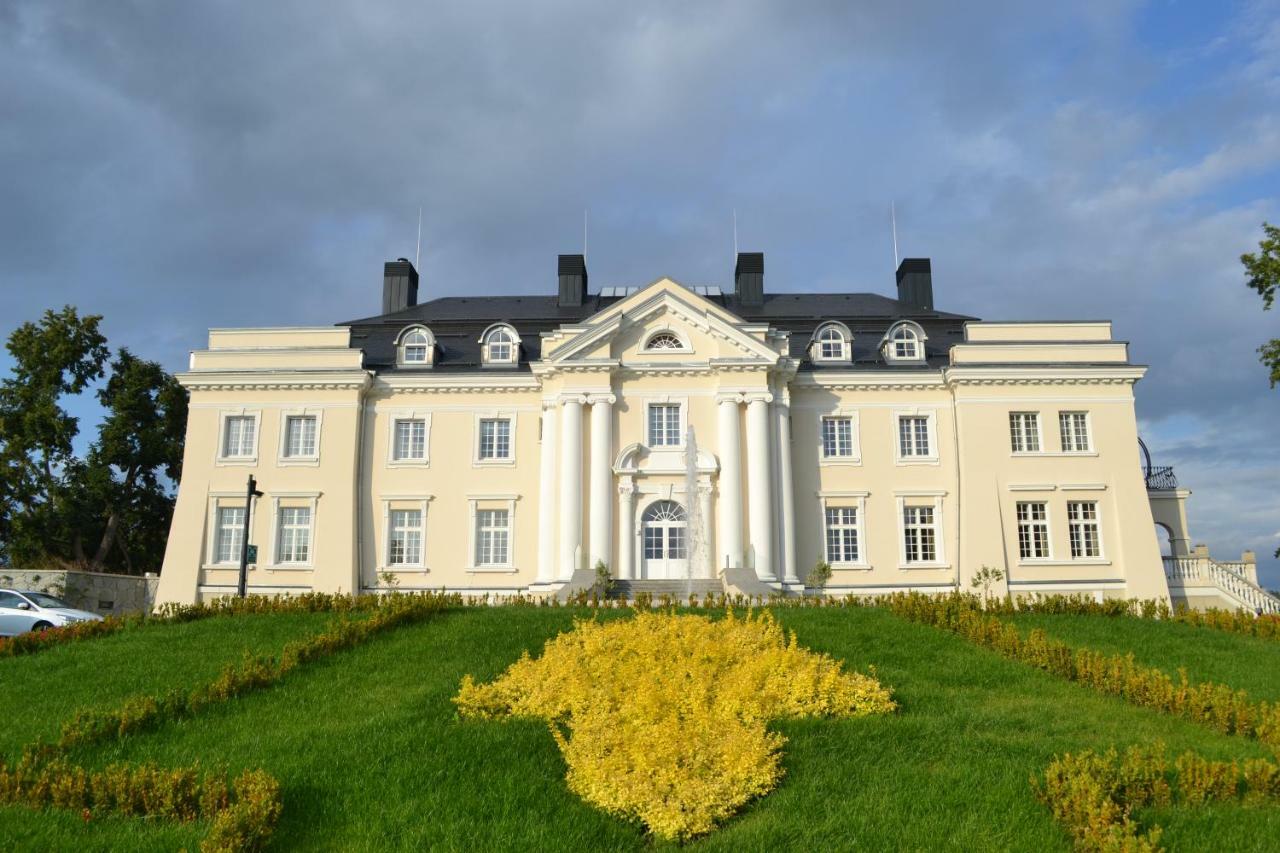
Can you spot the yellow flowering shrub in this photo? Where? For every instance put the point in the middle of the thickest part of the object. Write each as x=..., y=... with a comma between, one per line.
x=664, y=718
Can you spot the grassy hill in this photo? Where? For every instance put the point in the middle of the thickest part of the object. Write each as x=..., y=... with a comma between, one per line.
x=371, y=755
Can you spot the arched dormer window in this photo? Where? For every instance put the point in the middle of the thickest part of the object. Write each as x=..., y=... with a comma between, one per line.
x=664, y=342
x=500, y=345
x=831, y=342
x=416, y=347
x=904, y=342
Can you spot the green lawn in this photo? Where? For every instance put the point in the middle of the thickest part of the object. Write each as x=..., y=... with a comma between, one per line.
x=371, y=755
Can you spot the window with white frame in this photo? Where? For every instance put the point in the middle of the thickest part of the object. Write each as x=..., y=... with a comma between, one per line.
x=416, y=347
x=228, y=534
x=1082, y=529
x=409, y=440
x=904, y=344
x=1024, y=432
x=664, y=341
x=831, y=344
x=495, y=439
x=493, y=537
x=919, y=534
x=1033, y=530
x=404, y=537
x=238, y=435
x=664, y=424
x=300, y=436
x=500, y=345
x=913, y=436
x=842, y=534
x=293, y=535
x=1074, y=427
x=837, y=437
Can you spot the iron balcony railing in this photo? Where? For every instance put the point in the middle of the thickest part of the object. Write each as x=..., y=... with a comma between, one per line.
x=1161, y=478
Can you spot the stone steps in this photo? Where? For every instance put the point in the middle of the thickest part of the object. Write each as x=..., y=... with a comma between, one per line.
x=700, y=587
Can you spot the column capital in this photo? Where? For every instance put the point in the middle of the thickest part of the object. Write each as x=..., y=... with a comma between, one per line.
x=728, y=397
x=601, y=398
x=627, y=489
x=565, y=399
x=758, y=397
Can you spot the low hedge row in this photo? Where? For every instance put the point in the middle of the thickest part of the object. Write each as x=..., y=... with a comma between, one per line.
x=1095, y=794
x=1208, y=703
x=242, y=813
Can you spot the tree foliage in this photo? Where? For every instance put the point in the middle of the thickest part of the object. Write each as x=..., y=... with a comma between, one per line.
x=109, y=509
x=1263, y=270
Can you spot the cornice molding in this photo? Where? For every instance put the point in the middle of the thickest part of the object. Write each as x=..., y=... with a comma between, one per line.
x=273, y=381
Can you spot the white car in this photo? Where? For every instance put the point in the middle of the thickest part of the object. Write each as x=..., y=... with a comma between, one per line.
x=22, y=611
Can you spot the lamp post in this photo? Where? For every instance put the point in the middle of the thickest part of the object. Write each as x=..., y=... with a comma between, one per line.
x=242, y=587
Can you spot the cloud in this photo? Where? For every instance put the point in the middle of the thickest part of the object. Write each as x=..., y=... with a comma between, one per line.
x=177, y=167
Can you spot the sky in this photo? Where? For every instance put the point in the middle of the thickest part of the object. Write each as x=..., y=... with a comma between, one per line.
x=180, y=166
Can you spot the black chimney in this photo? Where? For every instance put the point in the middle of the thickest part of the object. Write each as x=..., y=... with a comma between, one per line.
x=915, y=283
x=573, y=280
x=399, y=286
x=748, y=278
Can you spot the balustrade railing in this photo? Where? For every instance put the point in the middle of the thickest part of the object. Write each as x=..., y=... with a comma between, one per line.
x=1161, y=477
x=1226, y=577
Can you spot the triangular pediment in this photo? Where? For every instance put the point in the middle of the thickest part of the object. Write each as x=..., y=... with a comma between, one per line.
x=708, y=330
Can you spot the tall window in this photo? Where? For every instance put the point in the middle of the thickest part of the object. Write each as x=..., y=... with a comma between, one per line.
x=664, y=425
x=837, y=437
x=495, y=438
x=410, y=439
x=294, y=533
x=300, y=435
x=1024, y=431
x=831, y=344
x=237, y=439
x=500, y=346
x=404, y=540
x=493, y=533
x=913, y=436
x=920, y=535
x=228, y=534
x=905, y=343
x=1033, y=530
x=1074, y=427
x=416, y=346
x=842, y=534
x=1082, y=529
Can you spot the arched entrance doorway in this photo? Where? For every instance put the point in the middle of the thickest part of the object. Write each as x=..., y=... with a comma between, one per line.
x=665, y=541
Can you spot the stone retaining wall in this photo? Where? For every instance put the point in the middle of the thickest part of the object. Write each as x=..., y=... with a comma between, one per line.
x=106, y=594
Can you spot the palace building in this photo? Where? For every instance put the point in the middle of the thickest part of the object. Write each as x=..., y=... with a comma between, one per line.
x=684, y=437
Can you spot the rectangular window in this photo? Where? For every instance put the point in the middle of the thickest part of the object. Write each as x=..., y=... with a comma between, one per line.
x=300, y=436
x=842, y=534
x=1033, y=530
x=1024, y=431
x=237, y=438
x=913, y=436
x=1075, y=431
x=1082, y=529
x=493, y=533
x=664, y=425
x=920, y=539
x=405, y=538
x=410, y=440
x=294, y=531
x=837, y=437
x=495, y=438
x=228, y=534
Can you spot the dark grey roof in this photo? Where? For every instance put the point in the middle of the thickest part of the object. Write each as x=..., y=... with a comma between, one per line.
x=458, y=321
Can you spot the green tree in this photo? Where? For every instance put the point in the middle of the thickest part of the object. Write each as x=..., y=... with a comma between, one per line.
x=1263, y=270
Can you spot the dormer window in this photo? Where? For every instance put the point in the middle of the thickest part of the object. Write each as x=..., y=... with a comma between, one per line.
x=831, y=343
x=500, y=345
x=417, y=347
x=664, y=341
x=905, y=342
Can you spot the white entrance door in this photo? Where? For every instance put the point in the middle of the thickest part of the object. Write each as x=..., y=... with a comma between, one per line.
x=664, y=541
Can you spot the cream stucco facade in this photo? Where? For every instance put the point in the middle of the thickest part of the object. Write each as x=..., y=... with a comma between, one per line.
x=510, y=478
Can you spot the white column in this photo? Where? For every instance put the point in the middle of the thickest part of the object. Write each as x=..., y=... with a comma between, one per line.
x=626, y=537
x=788, y=574
x=759, y=488
x=547, y=498
x=708, y=567
x=601, y=479
x=570, y=486
x=729, y=544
